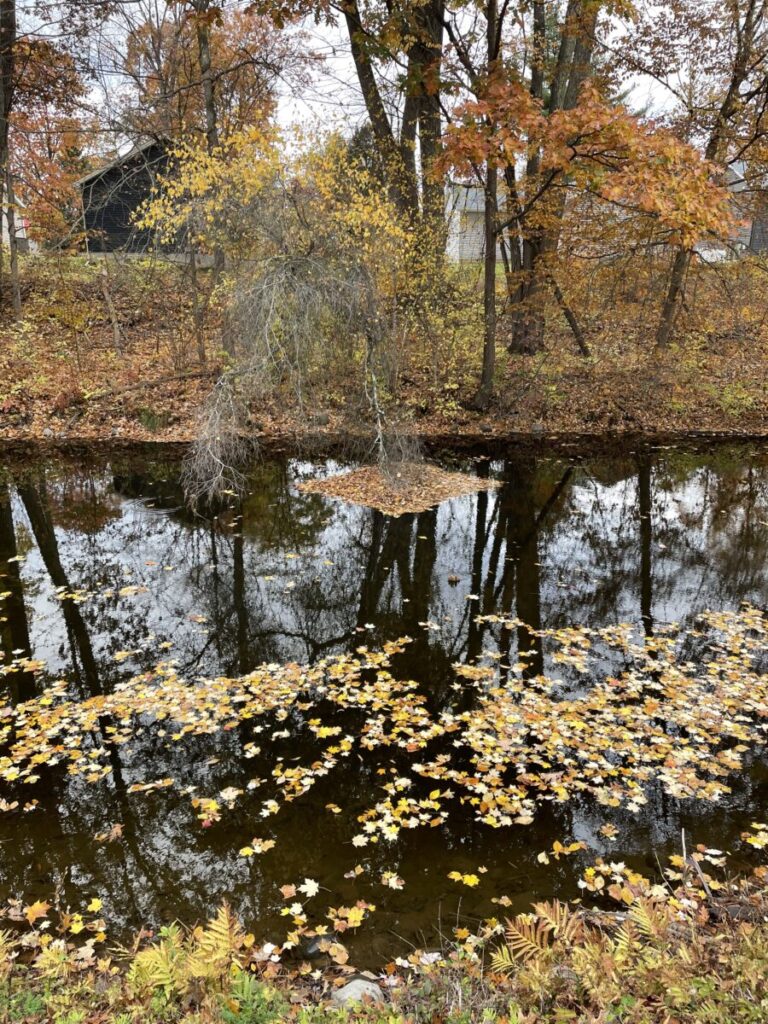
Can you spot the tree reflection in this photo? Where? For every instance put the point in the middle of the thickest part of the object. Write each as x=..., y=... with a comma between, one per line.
x=645, y=512
x=14, y=629
x=36, y=504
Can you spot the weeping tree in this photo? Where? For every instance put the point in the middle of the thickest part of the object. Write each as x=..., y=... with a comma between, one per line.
x=315, y=277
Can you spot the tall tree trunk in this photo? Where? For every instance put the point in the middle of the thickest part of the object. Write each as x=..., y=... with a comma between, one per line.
x=202, y=25
x=428, y=55
x=7, y=83
x=485, y=391
x=13, y=242
x=528, y=326
x=491, y=206
x=571, y=71
x=203, y=29
x=677, y=277
x=398, y=160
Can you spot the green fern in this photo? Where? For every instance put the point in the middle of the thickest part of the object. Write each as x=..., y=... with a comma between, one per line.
x=180, y=960
x=162, y=966
x=215, y=947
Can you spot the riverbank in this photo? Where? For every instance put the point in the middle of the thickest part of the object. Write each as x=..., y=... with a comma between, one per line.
x=586, y=411
x=75, y=370
x=688, y=949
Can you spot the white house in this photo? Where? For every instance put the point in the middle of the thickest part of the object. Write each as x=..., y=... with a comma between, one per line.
x=464, y=207
x=750, y=233
x=466, y=233
x=23, y=240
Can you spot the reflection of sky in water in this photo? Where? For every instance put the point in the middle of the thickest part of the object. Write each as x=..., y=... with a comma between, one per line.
x=646, y=539
x=589, y=547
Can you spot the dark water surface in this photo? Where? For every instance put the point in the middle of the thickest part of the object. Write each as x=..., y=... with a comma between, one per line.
x=646, y=537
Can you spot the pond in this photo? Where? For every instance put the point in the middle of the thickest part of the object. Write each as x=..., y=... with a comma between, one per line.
x=104, y=574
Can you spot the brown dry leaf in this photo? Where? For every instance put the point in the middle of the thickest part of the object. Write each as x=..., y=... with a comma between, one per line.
x=112, y=835
x=414, y=487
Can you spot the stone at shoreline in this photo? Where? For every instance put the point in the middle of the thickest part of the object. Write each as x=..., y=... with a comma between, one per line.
x=356, y=991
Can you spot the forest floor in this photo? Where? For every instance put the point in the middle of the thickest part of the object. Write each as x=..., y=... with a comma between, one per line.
x=72, y=372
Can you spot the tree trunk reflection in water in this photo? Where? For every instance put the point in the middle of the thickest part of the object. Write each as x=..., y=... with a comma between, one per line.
x=520, y=524
x=14, y=628
x=518, y=507
x=482, y=530
x=36, y=504
x=645, y=510
x=244, y=660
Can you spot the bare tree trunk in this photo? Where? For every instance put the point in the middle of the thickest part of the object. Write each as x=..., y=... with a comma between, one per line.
x=526, y=336
x=680, y=266
x=196, y=309
x=202, y=24
x=571, y=71
x=204, y=12
x=117, y=338
x=570, y=317
x=7, y=80
x=428, y=55
x=13, y=243
x=485, y=391
x=399, y=163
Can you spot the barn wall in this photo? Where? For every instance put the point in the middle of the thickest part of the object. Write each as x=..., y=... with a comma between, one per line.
x=111, y=200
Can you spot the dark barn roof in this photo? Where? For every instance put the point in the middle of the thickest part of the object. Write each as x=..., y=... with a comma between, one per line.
x=112, y=194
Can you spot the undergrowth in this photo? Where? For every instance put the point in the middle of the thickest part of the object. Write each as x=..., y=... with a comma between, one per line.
x=688, y=954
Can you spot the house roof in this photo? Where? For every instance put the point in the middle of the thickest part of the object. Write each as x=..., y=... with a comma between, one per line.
x=136, y=150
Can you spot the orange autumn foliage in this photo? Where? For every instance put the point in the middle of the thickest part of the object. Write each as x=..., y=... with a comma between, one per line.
x=597, y=148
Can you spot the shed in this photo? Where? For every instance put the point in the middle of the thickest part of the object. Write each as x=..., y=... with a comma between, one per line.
x=112, y=194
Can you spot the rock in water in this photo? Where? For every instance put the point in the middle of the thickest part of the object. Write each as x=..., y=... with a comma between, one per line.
x=357, y=991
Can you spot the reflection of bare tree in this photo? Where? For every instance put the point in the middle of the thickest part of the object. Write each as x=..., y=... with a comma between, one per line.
x=35, y=500
x=481, y=534
x=244, y=663
x=14, y=630
x=645, y=512
x=522, y=547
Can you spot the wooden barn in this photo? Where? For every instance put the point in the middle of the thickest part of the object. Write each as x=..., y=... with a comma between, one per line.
x=111, y=195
